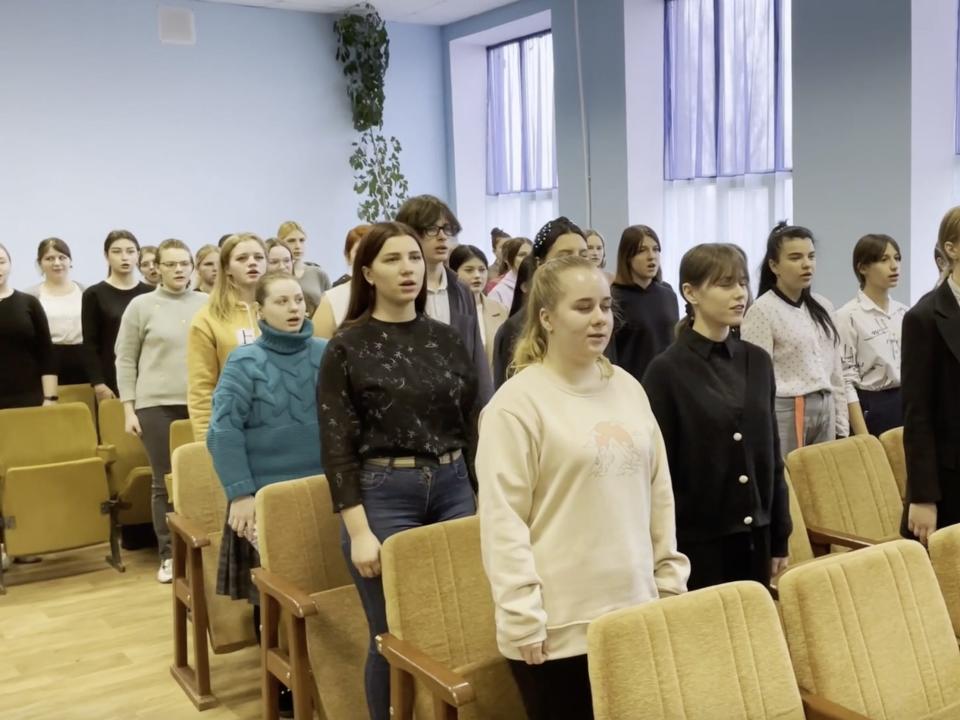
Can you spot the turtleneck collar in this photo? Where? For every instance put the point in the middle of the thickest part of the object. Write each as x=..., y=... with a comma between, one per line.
x=285, y=343
x=161, y=290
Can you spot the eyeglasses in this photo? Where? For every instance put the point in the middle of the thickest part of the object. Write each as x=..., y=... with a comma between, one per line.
x=434, y=232
x=170, y=265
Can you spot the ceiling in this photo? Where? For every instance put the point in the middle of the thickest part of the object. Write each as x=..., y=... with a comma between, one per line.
x=427, y=12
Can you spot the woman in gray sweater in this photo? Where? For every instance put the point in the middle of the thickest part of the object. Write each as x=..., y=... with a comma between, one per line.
x=151, y=354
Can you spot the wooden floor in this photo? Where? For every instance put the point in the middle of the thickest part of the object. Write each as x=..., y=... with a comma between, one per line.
x=97, y=646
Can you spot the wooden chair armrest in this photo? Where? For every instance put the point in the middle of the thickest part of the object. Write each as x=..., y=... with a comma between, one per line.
x=816, y=707
x=822, y=536
x=440, y=680
x=194, y=535
x=291, y=598
x=107, y=452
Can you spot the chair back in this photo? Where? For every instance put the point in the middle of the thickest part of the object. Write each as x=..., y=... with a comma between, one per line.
x=44, y=435
x=79, y=393
x=129, y=474
x=799, y=543
x=892, y=441
x=869, y=630
x=847, y=485
x=944, y=549
x=725, y=642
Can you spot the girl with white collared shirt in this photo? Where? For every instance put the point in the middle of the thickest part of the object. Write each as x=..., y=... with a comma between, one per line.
x=870, y=327
x=796, y=328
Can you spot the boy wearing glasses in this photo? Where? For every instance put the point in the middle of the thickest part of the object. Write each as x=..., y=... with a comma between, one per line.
x=448, y=300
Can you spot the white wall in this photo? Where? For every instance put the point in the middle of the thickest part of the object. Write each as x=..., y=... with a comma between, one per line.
x=933, y=96
x=103, y=126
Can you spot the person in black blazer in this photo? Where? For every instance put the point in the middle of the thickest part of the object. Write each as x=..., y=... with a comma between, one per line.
x=447, y=300
x=930, y=385
x=713, y=396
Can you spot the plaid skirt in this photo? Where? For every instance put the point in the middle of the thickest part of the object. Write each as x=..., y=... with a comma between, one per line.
x=237, y=558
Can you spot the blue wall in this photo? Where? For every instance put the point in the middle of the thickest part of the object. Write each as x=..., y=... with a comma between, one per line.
x=104, y=126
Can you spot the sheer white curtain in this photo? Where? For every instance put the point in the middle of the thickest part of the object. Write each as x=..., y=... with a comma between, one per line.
x=521, y=140
x=727, y=149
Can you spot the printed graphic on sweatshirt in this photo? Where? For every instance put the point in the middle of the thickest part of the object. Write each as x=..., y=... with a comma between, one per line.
x=619, y=452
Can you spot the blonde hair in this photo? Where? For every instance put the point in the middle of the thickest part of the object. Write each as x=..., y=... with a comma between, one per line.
x=547, y=289
x=203, y=252
x=288, y=227
x=223, y=297
x=172, y=244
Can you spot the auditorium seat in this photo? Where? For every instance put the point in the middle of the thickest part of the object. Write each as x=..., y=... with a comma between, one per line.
x=196, y=528
x=82, y=394
x=713, y=653
x=129, y=474
x=944, y=549
x=304, y=580
x=442, y=647
x=846, y=486
x=181, y=433
x=869, y=630
x=892, y=441
x=54, y=493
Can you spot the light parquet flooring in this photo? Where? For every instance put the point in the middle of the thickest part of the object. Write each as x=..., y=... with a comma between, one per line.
x=98, y=645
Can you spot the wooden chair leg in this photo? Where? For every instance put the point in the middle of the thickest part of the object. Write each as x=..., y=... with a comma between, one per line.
x=188, y=595
x=401, y=694
x=442, y=711
x=271, y=660
x=301, y=679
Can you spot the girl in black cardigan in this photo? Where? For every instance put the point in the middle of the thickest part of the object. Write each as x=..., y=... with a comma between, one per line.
x=713, y=396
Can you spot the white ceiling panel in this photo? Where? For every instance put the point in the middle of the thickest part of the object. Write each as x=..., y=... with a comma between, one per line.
x=427, y=12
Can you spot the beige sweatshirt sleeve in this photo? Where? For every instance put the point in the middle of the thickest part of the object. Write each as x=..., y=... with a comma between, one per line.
x=127, y=351
x=507, y=469
x=671, y=568
x=203, y=371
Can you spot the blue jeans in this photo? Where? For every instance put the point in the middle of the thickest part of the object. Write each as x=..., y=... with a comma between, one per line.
x=395, y=500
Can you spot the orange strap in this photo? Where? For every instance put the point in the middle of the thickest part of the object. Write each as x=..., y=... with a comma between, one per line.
x=798, y=413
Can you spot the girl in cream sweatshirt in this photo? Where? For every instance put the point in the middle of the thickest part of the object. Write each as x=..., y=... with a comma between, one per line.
x=576, y=506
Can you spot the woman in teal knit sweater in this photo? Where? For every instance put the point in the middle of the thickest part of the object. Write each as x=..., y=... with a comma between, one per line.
x=264, y=427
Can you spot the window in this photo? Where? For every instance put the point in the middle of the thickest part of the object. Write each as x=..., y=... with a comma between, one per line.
x=521, y=143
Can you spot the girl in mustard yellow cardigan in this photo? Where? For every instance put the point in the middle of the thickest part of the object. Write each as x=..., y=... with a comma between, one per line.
x=227, y=321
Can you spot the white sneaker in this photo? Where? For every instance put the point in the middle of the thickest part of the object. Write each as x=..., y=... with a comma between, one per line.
x=165, y=573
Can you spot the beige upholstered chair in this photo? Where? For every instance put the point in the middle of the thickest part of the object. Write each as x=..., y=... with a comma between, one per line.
x=846, y=486
x=196, y=528
x=304, y=581
x=713, y=653
x=129, y=474
x=54, y=493
x=80, y=393
x=181, y=433
x=442, y=645
x=892, y=441
x=869, y=630
x=944, y=549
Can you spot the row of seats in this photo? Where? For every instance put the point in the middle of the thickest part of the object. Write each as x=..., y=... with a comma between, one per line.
x=441, y=647
x=70, y=476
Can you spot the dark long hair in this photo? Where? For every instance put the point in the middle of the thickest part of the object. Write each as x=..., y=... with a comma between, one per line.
x=524, y=276
x=551, y=232
x=466, y=253
x=780, y=233
x=630, y=242
x=869, y=250
x=363, y=295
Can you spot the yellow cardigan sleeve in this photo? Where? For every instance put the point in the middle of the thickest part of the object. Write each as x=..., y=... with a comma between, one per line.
x=203, y=371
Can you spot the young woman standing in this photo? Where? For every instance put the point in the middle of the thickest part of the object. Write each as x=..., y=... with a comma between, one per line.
x=931, y=386
x=207, y=265
x=27, y=364
x=62, y=301
x=570, y=442
x=796, y=328
x=151, y=354
x=647, y=309
x=102, y=308
x=870, y=327
x=279, y=257
x=470, y=265
x=148, y=266
x=515, y=251
x=714, y=396
x=333, y=306
x=228, y=320
x=314, y=281
x=398, y=397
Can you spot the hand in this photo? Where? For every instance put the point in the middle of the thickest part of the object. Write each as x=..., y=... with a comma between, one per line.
x=534, y=653
x=47, y=403
x=778, y=565
x=365, y=554
x=131, y=424
x=103, y=392
x=242, y=516
x=922, y=520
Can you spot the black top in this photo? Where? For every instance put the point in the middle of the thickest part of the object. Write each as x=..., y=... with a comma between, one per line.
x=930, y=384
x=645, y=324
x=503, y=344
x=714, y=403
x=394, y=390
x=26, y=351
x=100, y=314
